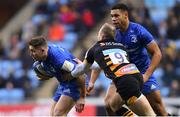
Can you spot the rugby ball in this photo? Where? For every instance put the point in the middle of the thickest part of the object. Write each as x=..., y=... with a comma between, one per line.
x=39, y=70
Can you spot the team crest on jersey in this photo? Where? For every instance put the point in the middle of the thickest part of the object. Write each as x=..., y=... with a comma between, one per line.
x=133, y=38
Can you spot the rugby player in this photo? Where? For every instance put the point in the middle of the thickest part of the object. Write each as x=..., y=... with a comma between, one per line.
x=113, y=60
x=138, y=42
x=58, y=62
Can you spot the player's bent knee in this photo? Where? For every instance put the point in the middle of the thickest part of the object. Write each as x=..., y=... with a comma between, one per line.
x=156, y=104
x=107, y=102
x=132, y=100
x=129, y=87
x=107, y=106
x=59, y=112
x=140, y=106
x=158, y=101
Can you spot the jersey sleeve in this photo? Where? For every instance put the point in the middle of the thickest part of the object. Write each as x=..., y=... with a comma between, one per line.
x=60, y=61
x=89, y=57
x=144, y=35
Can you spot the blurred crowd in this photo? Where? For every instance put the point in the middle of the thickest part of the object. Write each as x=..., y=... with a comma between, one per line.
x=67, y=22
x=63, y=22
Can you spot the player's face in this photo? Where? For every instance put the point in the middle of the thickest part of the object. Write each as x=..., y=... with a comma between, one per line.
x=37, y=53
x=119, y=18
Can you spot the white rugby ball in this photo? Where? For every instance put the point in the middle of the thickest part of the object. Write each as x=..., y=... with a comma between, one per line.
x=39, y=70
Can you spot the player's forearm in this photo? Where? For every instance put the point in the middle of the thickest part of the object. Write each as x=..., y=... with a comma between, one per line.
x=42, y=78
x=77, y=60
x=94, y=75
x=156, y=58
x=79, y=70
x=81, y=81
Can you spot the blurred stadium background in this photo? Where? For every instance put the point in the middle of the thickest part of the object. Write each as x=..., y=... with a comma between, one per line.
x=73, y=24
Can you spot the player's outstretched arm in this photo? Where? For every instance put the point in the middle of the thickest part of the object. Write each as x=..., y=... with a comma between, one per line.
x=77, y=60
x=42, y=78
x=154, y=50
x=81, y=69
x=94, y=75
x=81, y=102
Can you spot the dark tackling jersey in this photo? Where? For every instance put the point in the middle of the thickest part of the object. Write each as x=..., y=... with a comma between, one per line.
x=112, y=58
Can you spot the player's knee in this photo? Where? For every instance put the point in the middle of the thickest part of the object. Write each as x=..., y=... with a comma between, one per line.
x=133, y=98
x=59, y=112
x=107, y=103
x=158, y=108
x=130, y=97
x=51, y=113
x=129, y=89
x=157, y=102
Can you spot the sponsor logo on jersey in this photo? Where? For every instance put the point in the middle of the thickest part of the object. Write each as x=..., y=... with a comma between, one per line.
x=127, y=69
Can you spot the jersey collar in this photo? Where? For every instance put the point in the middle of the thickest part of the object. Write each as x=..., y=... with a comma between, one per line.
x=107, y=40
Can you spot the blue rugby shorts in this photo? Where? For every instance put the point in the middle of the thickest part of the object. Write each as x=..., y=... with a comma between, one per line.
x=68, y=88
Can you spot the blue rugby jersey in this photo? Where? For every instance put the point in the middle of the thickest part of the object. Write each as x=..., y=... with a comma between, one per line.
x=55, y=60
x=135, y=39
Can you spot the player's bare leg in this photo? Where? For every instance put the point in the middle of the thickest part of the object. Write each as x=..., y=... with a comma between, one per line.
x=63, y=106
x=121, y=111
x=107, y=100
x=141, y=107
x=52, y=107
x=116, y=102
x=155, y=101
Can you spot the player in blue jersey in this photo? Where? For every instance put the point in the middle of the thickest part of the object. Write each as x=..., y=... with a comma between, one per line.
x=58, y=62
x=137, y=40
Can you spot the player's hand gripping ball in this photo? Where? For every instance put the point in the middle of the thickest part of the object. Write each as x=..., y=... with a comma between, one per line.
x=40, y=72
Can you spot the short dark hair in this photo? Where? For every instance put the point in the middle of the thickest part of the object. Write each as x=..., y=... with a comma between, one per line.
x=37, y=41
x=120, y=6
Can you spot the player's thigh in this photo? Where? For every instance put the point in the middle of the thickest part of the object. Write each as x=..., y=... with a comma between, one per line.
x=116, y=102
x=154, y=98
x=64, y=104
x=52, y=107
x=142, y=107
x=152, y=92
x=110, y=92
